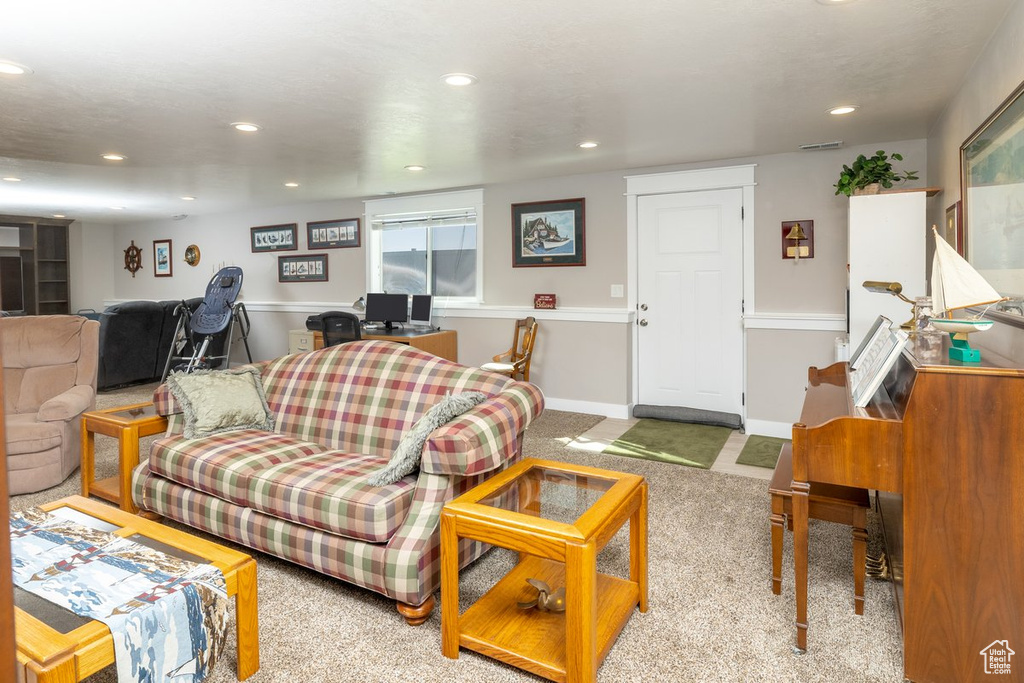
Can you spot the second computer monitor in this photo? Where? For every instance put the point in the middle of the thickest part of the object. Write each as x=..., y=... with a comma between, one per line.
x=422, y=305
x=387, y=309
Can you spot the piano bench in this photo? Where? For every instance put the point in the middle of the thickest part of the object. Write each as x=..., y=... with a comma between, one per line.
x=828, y=502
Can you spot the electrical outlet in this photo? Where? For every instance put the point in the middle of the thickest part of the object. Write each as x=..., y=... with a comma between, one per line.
x=617, y=291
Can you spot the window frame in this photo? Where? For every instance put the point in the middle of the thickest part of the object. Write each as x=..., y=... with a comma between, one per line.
x=423, y=205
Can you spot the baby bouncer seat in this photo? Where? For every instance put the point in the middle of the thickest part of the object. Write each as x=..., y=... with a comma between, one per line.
x=196, y=331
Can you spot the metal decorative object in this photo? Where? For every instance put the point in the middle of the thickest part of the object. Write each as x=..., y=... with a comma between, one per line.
x=546, y=601
x=192, y=255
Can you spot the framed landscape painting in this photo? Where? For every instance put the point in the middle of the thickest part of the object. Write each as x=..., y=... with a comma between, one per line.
x=549, y=233
x=162, y=266
x=337, y=234
x=305, y=268
x=284, y=237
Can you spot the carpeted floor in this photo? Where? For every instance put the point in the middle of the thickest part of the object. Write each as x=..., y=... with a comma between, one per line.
x=680, y=443
x=712, y=615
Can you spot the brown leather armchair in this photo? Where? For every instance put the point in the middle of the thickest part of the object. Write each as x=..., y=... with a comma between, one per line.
x=49, y=365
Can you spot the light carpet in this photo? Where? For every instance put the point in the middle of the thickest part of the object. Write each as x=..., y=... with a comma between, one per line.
x=712, y=615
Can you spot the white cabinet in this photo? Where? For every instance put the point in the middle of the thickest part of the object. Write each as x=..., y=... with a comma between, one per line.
x=887, y=242
x=300, y=341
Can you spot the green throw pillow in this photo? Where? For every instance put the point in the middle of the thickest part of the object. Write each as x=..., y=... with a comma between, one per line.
x=406, y=457
x=221, y=400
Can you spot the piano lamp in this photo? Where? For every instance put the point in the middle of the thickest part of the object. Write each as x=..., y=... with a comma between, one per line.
x=896, y=289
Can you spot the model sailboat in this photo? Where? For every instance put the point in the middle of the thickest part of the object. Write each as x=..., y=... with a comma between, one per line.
x=956, y=285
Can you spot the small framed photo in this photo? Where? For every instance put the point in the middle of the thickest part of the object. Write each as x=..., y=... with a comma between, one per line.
x=302, y=268
x=549, y=233
x=338, y=234
x=284, y=237
x=162, y=265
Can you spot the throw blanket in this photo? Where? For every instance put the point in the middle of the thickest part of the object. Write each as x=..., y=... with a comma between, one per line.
x=168, y=616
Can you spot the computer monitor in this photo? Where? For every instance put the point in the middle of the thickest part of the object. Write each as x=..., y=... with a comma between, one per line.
x=422, y=306
x=387, y=309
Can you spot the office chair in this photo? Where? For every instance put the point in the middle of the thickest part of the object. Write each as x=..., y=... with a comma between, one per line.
x=516, y=361
x=340, y=327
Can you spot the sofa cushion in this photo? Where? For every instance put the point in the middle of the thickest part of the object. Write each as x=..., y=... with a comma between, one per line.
x=26, y=435
x=331, y=492
x=223, y=464
x=221, y=400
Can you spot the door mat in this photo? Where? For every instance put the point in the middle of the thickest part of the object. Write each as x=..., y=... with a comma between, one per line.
x=761, y=451
x=687, y=444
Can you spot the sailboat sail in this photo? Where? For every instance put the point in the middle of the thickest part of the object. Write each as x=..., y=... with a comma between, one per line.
x=955, y=282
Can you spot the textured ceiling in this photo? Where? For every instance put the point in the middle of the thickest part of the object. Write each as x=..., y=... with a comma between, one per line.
x=349, y=93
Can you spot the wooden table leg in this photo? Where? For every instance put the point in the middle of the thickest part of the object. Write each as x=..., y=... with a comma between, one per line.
x=88, y=463
x=58, y=671
x=638, y=547
x=128, y=445
x=778, y=521
x=449, y=587
x=580, y=613
x=247, y=621
x=801, y=492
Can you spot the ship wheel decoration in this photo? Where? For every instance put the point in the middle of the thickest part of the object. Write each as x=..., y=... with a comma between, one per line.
x=132, y=259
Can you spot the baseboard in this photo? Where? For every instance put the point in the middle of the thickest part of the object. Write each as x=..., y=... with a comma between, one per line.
x=781, y=430
x=618, y=410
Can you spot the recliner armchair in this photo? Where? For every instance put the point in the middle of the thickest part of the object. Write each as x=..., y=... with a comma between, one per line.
x=49, y=365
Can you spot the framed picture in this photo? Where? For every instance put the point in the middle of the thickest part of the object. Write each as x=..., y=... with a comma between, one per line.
x=992, y=192
x=953, y=232
x=337, y=234
x=162, y=258
x=284, y=237
x=304, y=268
x=549, y=233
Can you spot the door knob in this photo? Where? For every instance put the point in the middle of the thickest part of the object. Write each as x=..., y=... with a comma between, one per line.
x=643, y=322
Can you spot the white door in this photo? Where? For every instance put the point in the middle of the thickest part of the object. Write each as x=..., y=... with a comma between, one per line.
x=690, y=296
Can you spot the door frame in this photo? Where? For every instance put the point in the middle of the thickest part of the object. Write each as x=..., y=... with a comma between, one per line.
x=672, y=182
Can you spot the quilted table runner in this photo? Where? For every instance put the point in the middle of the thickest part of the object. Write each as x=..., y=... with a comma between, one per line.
x=168, y=616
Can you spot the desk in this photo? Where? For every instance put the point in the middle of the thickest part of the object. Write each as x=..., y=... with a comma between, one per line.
x=443, y=343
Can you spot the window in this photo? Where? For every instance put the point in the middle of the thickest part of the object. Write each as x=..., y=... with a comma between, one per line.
x=428, y=244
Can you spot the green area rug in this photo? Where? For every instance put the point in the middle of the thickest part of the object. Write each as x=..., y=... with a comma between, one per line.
x=761, y=451
x=676, y=442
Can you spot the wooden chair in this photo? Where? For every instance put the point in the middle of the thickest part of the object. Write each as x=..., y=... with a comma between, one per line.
x=516, y=361
x=839, y=504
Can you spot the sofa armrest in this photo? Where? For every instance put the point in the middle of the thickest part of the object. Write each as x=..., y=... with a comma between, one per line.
x=68, y=405
x=481, y=439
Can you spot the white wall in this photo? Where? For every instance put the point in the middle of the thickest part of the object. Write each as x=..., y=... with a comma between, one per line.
x=92, y=264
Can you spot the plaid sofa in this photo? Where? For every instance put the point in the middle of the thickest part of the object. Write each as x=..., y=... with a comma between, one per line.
x=300, y=493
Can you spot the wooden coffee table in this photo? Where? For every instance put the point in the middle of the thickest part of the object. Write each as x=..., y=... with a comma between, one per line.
x=58, y=646
x=127, y=424
x=558, y=517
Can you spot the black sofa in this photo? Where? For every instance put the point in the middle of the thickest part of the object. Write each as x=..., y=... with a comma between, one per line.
x=135, y=339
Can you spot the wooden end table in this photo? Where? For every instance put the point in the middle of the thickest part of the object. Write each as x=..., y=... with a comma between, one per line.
x=55, y=645
x=127, y=424
x=558, y=517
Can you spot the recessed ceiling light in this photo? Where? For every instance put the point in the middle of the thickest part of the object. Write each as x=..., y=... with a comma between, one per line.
x=57, y=215
x=114, y=157
x=588, y=145
x=291, y=184
x=843, y=109
x=14, y=69
x=414, y=167
x=189, y=199
x=12, y=179
x=117, y=208
x=459, y=79
x=245, y=127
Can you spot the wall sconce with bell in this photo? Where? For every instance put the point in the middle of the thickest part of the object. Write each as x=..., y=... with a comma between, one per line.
x=797, y=240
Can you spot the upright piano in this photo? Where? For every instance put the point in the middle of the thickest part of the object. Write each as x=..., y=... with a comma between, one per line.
x=942, y=444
